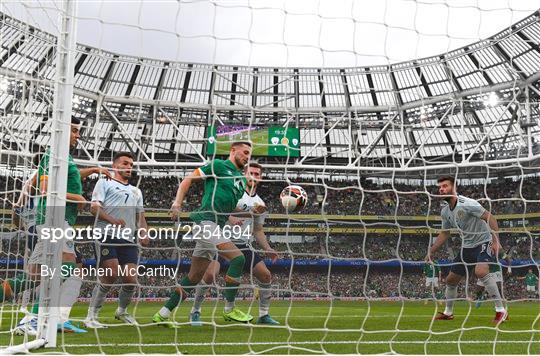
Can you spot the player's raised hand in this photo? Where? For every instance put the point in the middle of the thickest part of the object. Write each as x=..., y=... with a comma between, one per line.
x=102, y=171
x=175, y=210
x=259, y=209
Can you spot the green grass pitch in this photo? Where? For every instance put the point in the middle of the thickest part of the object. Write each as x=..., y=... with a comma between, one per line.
x=258, y=137
x=312, y=326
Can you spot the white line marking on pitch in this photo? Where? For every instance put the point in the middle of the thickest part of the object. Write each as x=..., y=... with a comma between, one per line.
x=370, y=316
x=304, y=343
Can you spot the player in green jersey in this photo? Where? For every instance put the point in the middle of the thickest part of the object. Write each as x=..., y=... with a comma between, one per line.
x=75, y=201
x=432, y=271
x=224, y=185
x=531, y=281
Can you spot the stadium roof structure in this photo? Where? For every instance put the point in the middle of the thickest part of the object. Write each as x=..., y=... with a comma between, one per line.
x=476, y=103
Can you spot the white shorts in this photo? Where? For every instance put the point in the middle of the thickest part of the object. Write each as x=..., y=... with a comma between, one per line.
x=38, y=254
x=496, y=275
x=432, y=281
x=207, y=235
x=531, y=289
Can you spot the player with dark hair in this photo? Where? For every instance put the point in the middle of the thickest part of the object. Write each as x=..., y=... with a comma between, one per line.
x=116, y=203
x=224, y=186
x=251, y=226
x=70, y=284
x=478, y=230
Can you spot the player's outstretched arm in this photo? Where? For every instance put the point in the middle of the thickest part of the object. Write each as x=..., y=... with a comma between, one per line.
x=183, y=188
x=70, y=197
x=260, y=237
x=441, y=239
x=257, y=210
x=494, y=227
x=76, y=198
x=26, y=191
x=85, y=172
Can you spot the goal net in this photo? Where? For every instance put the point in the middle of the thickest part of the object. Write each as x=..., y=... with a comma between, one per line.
x=359, y=107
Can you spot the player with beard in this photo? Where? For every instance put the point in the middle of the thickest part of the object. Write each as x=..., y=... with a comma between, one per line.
x=250, y=226
x=224, y=185
x=478, y=230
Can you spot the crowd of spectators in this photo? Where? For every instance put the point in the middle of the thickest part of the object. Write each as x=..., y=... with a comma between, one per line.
x=378, y=248
x=364, y=197
x=335, y=198
x=375, y=283
x=503, y=196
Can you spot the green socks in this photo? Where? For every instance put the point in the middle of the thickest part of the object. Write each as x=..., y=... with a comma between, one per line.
x=173, y=301
x=35, y=308
x=175, y=297
x=67, y=269
x=232, y=279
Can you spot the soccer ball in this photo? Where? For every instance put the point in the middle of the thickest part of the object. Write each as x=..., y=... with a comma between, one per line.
x=293, y=198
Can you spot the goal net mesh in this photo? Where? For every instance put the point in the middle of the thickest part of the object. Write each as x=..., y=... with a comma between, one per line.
x=366, y=143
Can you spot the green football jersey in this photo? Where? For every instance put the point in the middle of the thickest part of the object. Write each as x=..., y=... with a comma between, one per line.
x=530, y=279
x=431, y=270
x=74, y=186
x=223, y=187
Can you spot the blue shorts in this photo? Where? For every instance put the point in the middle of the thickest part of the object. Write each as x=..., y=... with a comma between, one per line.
x=123, y=252
x=468, y=258
x=251, y=256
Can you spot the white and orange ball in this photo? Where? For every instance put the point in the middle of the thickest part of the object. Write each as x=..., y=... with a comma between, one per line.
x=293, y=198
